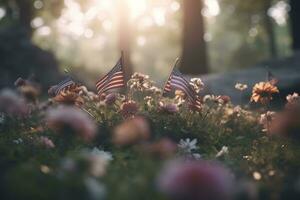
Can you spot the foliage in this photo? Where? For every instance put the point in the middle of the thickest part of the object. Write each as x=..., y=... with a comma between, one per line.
x=65, y=166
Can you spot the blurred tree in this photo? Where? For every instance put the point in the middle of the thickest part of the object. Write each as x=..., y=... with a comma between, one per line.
x=125, y=37
x=269, y=27
x=194, y=60
x=295, y=16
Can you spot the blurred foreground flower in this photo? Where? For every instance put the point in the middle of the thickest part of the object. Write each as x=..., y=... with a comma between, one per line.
x=12, y=104
x=195, y=180
x=69, y=120
x=98, y=161
x=46, y=142
x=163, y=148
x=131, y=131
x=29, y=89
x=262, y=92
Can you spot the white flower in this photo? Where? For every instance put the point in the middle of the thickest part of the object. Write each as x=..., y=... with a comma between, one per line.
x=2, y=118
x=222, y=152
x=187, y=145
x=98, y=160
x=95, y=189
x=18, y=141
x=104, y=154
x=240, y=86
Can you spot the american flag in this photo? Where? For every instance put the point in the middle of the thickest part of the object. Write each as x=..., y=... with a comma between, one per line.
x=64, y=84
x=177, y=81
x=113, y=79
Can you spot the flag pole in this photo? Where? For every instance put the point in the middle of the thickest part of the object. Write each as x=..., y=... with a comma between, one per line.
x=172, y=69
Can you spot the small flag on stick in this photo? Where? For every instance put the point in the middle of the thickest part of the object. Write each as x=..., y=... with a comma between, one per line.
x=113, y=79
x=177, y=81
x=64, y=84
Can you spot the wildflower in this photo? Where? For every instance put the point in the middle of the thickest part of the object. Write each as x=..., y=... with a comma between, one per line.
x=71, y=120
x=139, y=82
x=187, y=145
x=131, y=131
x=241, y=87
x=163, y=148
x=2, y=118
x=197, y=84
x=293, y=102
x=222, y=152
x=216, y=99
x=266, y=119
x=262, y=92
x=180, y=97
x=46, y=142
x=293, y=98
x=30, y=90
x=195, y=180
x=70, y=96
x=110, y=99
x=18, y=141
x=98, y=161
x=96, y=190
x=129, y=108
x=256, y=176
x=168, y=108
x=12, y=104
x=149, y=101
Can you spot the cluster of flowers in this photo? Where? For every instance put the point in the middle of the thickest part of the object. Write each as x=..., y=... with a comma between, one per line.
x=75, y=111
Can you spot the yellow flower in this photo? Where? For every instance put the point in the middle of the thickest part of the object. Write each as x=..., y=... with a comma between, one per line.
x=262, y=92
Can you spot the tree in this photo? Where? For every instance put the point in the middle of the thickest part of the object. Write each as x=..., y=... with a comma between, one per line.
x=295, y=14
x=194, y=59
x=269, y=28
x=125, y=37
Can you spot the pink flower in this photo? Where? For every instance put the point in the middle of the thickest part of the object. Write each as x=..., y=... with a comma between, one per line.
x=129, y=108
x=12, y=104
x=46, y=142
x=195, y=180
x=131, y=131
x=110, y=99
x=71, y=120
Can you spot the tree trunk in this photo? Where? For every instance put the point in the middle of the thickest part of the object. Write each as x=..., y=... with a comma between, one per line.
x=125, y=37
x=26, y=13
x=295, y=16
x=194, y=60
x=270, y=29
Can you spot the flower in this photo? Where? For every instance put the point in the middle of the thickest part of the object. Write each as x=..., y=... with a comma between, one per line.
x=110, y=99
x=12, y=104
x=140, y=82
x=240, y=86
x=46, y=142
x=197, y=84
x=70, y=96
x=132, y=130
x=262, y=92
x=98, y=161
x=222, y=152
x=129, y=108
x=187, y=145
x=96, y=190
x=29, y=89
x=293, y=98
x=168, y=108
x=163, y=148
x=195, y=180
x=71, y=120
x=180, y=97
